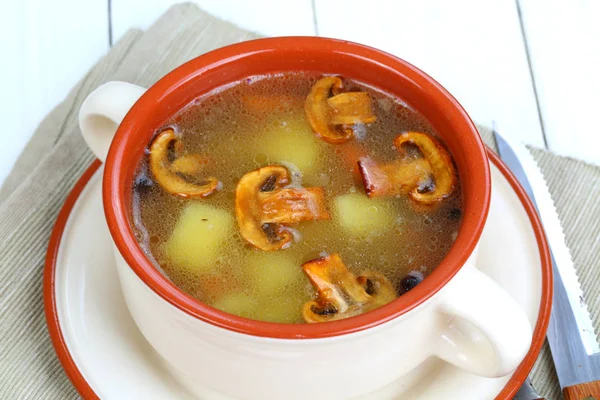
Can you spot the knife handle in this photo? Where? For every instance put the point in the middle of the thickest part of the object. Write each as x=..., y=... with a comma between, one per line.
x=583, y=391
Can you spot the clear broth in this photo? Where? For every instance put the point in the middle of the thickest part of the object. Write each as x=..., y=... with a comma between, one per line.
x=236, y=136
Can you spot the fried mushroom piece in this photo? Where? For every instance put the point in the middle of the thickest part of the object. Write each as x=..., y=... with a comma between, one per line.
x=340, y=293
x=332, y=113
x=395, y=178
x=176, y=174
x=264, y=206
x=188, y=164
x=427, y=179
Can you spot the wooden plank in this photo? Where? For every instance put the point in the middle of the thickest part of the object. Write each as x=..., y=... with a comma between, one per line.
x=47, y=47
x=268, y=17
x=563, y=37
x=473, y=48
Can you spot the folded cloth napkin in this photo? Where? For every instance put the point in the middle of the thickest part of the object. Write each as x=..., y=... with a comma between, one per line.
x=56, y=156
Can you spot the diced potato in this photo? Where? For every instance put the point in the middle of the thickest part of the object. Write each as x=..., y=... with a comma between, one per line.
x=238, y=304
x=282, y=310
x=360, y=216
x=270, y=272
x=292, y=141
x=196, y=241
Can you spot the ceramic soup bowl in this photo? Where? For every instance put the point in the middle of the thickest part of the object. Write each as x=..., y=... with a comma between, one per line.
x=457, y=313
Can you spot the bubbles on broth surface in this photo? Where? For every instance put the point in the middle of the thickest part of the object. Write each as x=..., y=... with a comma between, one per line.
x=261, y=121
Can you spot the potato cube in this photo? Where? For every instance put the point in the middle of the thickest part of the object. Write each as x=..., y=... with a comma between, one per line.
x=196, y=241
x=282, y=309
x=360, y=216
x=270, y=272
x=238, y=304
x=291, y=141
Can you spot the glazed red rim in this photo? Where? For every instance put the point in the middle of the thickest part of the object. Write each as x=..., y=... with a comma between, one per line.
x=86, y=391
x=314, y=55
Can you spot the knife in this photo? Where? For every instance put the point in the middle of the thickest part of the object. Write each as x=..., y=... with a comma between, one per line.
x=527, y=392
x=571, y=335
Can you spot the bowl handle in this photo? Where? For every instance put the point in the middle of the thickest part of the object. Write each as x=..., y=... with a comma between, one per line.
x=497, y=333
x=102, y=112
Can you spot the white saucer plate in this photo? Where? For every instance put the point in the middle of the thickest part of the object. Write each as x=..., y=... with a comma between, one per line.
x=106, y=356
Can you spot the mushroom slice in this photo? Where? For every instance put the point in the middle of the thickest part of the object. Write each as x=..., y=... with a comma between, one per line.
x=188, y=164
x=351, y=108
x=340, y=293
x=427, y=179
x=378, y=287
x=264, y=206
x=393, y=179
x=332, y=117
x=171, y=174
x=443, y=173
x=292, y=205
x=317, y=110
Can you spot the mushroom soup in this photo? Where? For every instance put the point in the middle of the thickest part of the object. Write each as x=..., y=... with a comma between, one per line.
x=296, y=198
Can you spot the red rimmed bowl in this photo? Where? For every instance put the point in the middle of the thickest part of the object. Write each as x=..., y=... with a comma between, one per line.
x=252, y=359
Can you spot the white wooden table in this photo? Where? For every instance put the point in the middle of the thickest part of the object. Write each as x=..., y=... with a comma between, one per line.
x=531, y=65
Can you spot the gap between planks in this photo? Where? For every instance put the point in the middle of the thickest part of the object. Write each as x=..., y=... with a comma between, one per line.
x=531, y=74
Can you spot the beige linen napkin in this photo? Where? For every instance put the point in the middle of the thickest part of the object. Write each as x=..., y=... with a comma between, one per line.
x=56, y=156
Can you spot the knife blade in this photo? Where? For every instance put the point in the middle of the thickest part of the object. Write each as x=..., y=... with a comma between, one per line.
x=527, y=392
x=571, y=335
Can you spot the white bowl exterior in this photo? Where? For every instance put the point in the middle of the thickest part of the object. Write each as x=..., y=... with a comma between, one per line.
x=250, y=367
